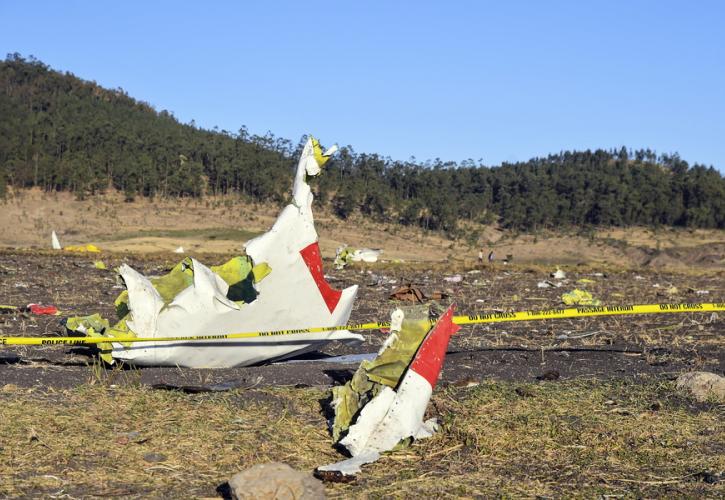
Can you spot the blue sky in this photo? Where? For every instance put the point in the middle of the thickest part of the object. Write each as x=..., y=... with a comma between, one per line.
x=499, y=81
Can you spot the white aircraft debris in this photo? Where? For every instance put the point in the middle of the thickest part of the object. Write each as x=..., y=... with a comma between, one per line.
x=387, y=397
x=279, y=284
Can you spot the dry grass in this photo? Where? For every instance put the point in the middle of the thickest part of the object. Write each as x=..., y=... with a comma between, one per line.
x=222, y=224
x=575, y=438
x=572, y=438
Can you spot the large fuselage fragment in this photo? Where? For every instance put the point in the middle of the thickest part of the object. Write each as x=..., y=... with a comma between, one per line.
x=293, y=295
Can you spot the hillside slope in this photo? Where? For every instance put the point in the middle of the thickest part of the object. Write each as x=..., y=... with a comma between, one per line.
x=221, y=225
x=61, y=133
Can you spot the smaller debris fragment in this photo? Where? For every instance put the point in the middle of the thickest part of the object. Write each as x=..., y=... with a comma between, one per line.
x=38, y=309
x=42, y=310
x=99, y=264
x=456, y=278
x=275, y=480
x=385, y=402
x=55, y=244
x=366, y=255
x=579, y=298
x=547, y=284
x=344, y=255
x=558, y=274
x=703, y=386
x=82, y=248
x=179, y=250
x=409, y=293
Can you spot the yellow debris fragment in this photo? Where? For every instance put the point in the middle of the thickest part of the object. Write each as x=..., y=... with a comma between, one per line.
x=82, y=248
x=580, y=298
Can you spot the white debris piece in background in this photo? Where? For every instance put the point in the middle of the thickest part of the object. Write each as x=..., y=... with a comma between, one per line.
x=559, y=274
x=366, y=255
x=55, y=243
x=344, y=255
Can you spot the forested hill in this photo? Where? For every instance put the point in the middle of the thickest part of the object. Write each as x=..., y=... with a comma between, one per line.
x=59, y=132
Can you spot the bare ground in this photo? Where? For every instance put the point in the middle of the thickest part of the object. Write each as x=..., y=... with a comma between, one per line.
x=581, y=407
x=600, y=347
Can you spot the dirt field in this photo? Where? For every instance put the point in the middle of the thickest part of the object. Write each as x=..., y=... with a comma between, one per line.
x=223, y=224
x=580, y=407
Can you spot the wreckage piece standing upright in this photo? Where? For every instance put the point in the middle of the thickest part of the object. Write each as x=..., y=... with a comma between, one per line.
x=384, y=403
x=294, y=294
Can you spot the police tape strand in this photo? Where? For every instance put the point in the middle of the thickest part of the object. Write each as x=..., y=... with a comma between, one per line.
x=474, y=319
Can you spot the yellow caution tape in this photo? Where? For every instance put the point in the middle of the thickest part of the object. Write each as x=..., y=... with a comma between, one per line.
x=584, y=311
x=474, y=319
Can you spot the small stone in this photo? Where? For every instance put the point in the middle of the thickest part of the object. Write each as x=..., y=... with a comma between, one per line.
x=154, y=457
x=703, y=385
x=275, y=481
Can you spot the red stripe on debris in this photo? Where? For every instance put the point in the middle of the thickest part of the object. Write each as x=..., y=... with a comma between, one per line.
x=429, y=359
x=40, y=309
x=311, y=255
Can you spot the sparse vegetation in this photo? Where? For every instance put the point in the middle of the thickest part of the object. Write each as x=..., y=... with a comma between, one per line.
x=585, y=437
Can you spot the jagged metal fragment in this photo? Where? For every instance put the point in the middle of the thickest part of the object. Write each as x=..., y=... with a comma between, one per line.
x=278, y=285
x=384, y=403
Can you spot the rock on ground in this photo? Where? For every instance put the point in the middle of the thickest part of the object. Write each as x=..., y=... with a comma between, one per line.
x=703, y=385
x=275, y=481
